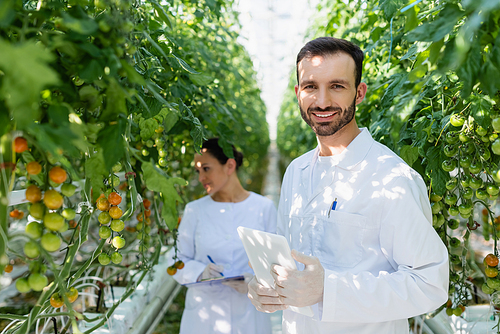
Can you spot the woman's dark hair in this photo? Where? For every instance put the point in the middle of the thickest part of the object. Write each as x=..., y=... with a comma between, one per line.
x=212, y=146
x=327, y=46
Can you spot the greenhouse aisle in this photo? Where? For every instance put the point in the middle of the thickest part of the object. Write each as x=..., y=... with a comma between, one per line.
x=272, y=187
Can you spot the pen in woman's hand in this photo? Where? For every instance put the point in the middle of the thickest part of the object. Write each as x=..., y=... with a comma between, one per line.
x=212, y=261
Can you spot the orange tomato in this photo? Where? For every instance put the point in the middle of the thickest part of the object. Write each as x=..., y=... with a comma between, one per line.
x=114, y=198
x=56, y=300
x=72, y=294
x=33, y=168
x=491, y=260
x=8, y=268
x=52, y=199
x=33, y=194
x=147, y=203
x=147, y=213
x=14, y=213
x=57, y=174
x=20, y=145
x=115, y=212
x=171, y=270
x=102, y=204
x=179, y=264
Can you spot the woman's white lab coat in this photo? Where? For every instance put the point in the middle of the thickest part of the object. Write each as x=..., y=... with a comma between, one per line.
x=208, y=228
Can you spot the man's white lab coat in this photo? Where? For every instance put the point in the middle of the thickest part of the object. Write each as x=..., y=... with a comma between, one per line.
x=383, y=260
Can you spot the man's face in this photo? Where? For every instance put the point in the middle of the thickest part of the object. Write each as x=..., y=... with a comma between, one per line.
x=326, y=92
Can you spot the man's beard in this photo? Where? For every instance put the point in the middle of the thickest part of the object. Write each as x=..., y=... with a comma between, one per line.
x=329, y=128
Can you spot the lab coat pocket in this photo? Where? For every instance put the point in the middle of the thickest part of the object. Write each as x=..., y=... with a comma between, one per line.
x=342, y=244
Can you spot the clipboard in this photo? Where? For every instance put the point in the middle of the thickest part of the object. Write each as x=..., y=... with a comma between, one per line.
x=265, y=249
x=215, y=280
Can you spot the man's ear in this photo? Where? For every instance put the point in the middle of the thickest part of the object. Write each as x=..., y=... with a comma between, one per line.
x=361, y=92
x=231, y=166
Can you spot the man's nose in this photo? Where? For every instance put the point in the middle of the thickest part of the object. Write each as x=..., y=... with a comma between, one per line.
x=323, y=99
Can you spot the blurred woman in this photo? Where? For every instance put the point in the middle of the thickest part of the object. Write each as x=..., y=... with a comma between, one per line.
x=209, y=245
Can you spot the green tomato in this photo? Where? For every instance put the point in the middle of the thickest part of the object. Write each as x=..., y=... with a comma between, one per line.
x=465, y=208
x=487, y=289
x=117, y=167
x=37, y=210
x=475, y=182
x=493, y=283
x=31, y=249
x=484, y=153
x=104, y=232
x=53, y=221
x=163, y=162
x=37, y=281
x=50, y=242
x=493, y=189
x=495, y=147
x=457, y=120
x=481, y=131
x=465, y=161
x=462, y=136
x=450, y=150
x=468, y=193
x=468, y=147
x=114, y=181
x=451, y=199
x=162, y=153
x=452, y=183
x=118, y=242
x=68, y=189
x=22, y=285
x=496, y=175
x=104, y=217
x=116, y=258
x=496, y=124
x=465, y=181
x=103, y=259
x=68, y=213
x=475, y=167
x=117, y=225
x=451, y=137
x=436, y=207
x=449, y=165
x=34, y=229
x=481, y=194
x=453, y=223
x=454, y=242
x=453, y=210
x=437, y=220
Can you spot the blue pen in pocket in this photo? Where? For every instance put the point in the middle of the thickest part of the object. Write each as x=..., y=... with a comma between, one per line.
x=334, y=205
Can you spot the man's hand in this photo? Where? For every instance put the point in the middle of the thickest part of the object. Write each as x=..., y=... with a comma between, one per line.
x=264, y=299
x=300, y=288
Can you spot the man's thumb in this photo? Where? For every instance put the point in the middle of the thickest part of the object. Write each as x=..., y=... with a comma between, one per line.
x=302, y=258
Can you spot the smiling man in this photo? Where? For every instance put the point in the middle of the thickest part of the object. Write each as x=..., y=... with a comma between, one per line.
x=356, y=215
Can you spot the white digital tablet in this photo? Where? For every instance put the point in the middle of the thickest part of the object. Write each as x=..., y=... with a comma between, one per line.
x=265, y=249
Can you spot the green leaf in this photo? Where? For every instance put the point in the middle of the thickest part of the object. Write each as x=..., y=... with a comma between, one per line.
x=185, y=65
x=110, y=138
x=95, y=172
x=435, y=30
x=162, y=14
x=481, y=110
x=158, y=182
x=169, y=121
x=469, y=71
x=390, y=7
x=392, y=90
x=85, y=26
x=438, y=176
x=201, y=79
x=409, y=154
x=411, y=19
x=26, y=72
x=115, y=102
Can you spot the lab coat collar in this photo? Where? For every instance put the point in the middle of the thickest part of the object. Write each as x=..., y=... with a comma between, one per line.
x=353, y=154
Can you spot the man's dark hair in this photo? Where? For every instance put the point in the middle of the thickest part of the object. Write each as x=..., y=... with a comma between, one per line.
x=212, y=146
x=327, y=46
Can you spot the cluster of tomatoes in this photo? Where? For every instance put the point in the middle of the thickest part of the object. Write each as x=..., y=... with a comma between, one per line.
x=143, y=226
x=48, y=215
x=57, y=300
x=109, y=219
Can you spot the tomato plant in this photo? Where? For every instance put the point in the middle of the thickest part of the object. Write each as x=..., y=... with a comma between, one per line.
x=100, y=132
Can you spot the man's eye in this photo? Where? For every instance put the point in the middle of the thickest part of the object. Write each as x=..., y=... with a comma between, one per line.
x=337, y=86
x=309, y=87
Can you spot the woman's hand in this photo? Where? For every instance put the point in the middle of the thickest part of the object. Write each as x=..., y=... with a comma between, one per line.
x=211, y=271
